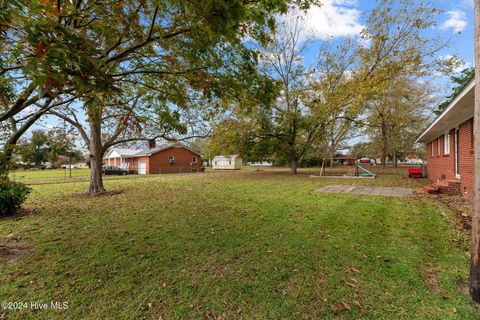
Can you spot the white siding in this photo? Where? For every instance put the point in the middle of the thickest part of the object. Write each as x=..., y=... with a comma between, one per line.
x=232, y=164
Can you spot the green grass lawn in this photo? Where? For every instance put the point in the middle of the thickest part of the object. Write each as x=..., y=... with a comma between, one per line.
x=49, y=174
x=235, y=245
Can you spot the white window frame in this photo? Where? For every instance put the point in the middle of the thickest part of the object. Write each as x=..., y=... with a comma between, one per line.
x=446, y=143
x=194, y=160
x=438, y=146
x=171, y=160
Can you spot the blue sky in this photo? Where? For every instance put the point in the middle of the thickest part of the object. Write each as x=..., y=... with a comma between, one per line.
x=337, y=18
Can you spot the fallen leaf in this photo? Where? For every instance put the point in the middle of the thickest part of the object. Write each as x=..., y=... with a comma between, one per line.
x=346, y=306
x=355, y=302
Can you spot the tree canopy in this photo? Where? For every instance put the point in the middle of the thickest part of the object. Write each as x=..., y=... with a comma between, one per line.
x=317, y=108
x=89, y=54
x=459, y=81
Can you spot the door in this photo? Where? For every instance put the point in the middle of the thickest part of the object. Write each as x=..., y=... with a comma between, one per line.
x=142, y=167
x=457, y=154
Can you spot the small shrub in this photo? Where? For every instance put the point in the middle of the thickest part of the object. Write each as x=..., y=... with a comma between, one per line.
x=12, y=195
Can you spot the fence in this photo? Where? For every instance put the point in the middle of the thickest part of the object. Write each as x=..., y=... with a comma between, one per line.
x=166, y=170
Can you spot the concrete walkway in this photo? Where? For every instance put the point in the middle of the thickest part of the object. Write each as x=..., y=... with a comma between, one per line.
x=371, y=191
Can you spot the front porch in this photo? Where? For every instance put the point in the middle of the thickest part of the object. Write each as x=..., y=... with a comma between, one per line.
x=121, y=162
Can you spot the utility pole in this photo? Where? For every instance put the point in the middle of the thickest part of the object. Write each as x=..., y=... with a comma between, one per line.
x=475, y=249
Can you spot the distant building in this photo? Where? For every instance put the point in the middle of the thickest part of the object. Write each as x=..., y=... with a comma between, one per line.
x=232, y=162
x=170, y=158
x=260, y=163
x=80, y=165
x=61, y=160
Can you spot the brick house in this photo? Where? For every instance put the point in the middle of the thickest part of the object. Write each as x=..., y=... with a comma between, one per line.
x=169, y=158
x=449, y=144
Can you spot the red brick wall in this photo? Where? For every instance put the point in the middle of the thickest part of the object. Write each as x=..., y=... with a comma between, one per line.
x=443, y=165
x=440, y=164
x=159, y=162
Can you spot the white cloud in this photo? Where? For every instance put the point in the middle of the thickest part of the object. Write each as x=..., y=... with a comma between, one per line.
x=457, y=21
x=334, y=18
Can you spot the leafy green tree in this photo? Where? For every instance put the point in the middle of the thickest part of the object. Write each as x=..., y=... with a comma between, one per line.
x=459, y=82
x=394, y=51
x=286, y=128
x=93, y=50
x=394, y=118
x=314, y=107
x=363, y=149
x=46, y=146
x=36, y=149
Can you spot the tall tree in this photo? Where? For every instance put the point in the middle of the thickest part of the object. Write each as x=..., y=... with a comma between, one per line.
x=288, y=127
x=394, y=118
x=92, y=50
x=282, y=61
x=348, y=77
x=333, y=92
x=475, y=248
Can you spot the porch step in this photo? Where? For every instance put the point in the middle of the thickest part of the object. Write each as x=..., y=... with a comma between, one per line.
x=441, y=183
x=431, y=189
x=451, y=180
x=420, y=191
x=447, y=186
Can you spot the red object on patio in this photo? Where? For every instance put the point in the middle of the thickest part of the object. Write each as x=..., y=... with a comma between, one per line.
x=415, y=173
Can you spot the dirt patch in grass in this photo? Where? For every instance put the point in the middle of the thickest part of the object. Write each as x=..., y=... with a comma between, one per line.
x=430, y=278
x=462, y=285
x=12, y=249
x=23, y=212
x=462, y=207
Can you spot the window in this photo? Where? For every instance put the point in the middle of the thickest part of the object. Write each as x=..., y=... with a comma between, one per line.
x=446, y=143
x=171, y=160
x=194, y=160
x=431, y=149
x=229, y=162
x=215, y=162
x=438, y=147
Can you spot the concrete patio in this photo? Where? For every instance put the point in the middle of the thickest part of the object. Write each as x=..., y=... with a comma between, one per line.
x=364, y=190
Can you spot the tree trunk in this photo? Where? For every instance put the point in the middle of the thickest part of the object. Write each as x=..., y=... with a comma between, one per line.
x=96, y=154
x=475, y=248
x=384, y=145
x=293, y=164
x=8, y=151
x=395, y=164
x=332, y=155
